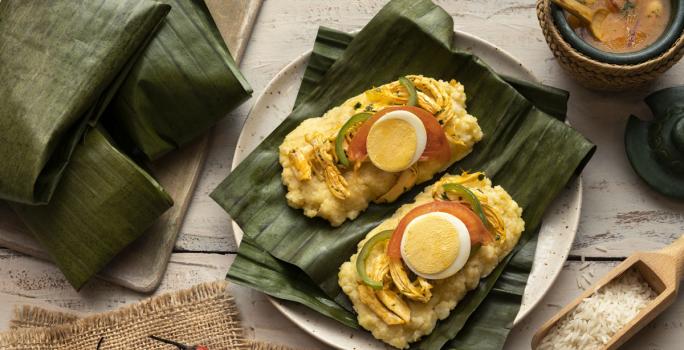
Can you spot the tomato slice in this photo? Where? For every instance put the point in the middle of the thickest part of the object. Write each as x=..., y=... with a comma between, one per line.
x=436, y=147
x=478, y=232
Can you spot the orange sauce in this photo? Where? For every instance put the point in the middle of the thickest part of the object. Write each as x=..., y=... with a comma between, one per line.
x=630, y=26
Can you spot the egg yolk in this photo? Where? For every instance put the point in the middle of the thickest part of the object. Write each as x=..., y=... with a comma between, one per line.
x=431, y=244
x=392, y=144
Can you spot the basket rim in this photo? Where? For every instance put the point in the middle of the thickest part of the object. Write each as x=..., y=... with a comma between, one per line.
x=674, y=28
x=545, y=14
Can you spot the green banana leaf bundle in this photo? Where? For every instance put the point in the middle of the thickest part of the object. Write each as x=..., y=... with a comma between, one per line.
x=58, y=76
x=103, y=203
x=80, y=80
x=527, y=149
x=184, y=82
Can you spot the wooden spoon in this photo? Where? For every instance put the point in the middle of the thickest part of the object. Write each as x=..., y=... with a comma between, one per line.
x=593, y=18
x=661, y=269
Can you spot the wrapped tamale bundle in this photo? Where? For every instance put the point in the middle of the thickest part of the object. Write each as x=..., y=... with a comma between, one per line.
x=184, y=82
x=103, y=77
x=62, y=61
x=103, y=203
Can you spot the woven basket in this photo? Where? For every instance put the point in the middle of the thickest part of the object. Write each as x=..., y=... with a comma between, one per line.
x=598, y=75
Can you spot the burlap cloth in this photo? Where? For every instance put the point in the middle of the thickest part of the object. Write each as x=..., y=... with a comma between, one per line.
x=205, y=314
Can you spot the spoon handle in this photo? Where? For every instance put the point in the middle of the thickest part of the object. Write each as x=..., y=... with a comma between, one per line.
x=676, y=250
x=576, y=8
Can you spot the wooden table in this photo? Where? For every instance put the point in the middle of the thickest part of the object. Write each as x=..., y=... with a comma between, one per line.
x=619, y=214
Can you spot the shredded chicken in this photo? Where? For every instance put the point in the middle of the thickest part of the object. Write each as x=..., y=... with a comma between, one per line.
x=301, y=165
x=432, y=96
x=323, y=161
x=418, y=290
x=385, y=303
x=394, y=303
x=405, y=181
x=368, y=297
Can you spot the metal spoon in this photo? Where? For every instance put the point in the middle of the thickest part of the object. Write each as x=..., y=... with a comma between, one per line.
x=662, y=270
x=594, y=18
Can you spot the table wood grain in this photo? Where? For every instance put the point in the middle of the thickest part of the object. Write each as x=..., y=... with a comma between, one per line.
x=619, y=215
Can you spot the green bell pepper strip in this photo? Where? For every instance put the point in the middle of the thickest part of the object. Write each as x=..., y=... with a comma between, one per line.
x=413, y=95
x=470, y=197
x=363, y=255
x=339, y=142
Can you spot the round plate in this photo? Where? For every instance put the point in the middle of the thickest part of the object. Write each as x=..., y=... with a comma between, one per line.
x=555, y=237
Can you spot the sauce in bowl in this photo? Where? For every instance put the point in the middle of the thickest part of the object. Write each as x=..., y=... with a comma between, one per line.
x=630, y=26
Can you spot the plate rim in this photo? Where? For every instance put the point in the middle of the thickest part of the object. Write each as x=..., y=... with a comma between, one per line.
x=280, y=305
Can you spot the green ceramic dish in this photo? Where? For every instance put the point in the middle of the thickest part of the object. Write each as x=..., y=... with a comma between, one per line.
x=666, y=40
x=656, y=148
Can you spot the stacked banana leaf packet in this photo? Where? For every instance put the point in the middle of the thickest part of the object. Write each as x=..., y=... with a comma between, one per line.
x=91, y=91
x=527, y=149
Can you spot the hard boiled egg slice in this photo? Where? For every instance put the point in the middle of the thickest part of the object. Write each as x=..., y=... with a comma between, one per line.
x=396, y=141
x=435, y=245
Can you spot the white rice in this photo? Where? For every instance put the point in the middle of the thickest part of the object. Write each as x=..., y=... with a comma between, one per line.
x=596, y=319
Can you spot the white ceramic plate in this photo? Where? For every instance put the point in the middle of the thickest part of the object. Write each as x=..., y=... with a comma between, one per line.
x=555, y=237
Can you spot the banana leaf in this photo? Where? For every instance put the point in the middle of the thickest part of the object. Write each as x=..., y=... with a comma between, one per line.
x=121, y=66
x=256, y=268
x=528, y=152
x=253, y=265
x=331, y=43
x=496, y=300
x=103, y=203
x=184, y=82
x=62, y=61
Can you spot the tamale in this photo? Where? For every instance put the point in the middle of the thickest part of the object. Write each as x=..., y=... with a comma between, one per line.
x=86, y=216
x=183, y=83
x=103, y=203
x=62, y=61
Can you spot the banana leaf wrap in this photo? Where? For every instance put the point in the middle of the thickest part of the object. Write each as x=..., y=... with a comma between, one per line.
x=530, y=153
x=103, y=203
x=58, y=75
x=85, y=61
x=499, y=295
x=183, y=83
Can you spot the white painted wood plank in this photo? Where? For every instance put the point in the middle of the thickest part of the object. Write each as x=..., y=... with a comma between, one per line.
x=26, y=280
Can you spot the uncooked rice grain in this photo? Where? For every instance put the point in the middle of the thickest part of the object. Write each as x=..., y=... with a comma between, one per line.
x=596, y=319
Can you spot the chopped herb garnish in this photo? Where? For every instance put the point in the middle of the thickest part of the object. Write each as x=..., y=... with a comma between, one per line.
x=357, y=105
x=480, y=177
x=441, y=122
x=627, y=7
x=369, y=108
x=445, y=196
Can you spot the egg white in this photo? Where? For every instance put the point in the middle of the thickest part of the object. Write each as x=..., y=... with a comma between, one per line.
x=418, y=128
x=463, y=249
